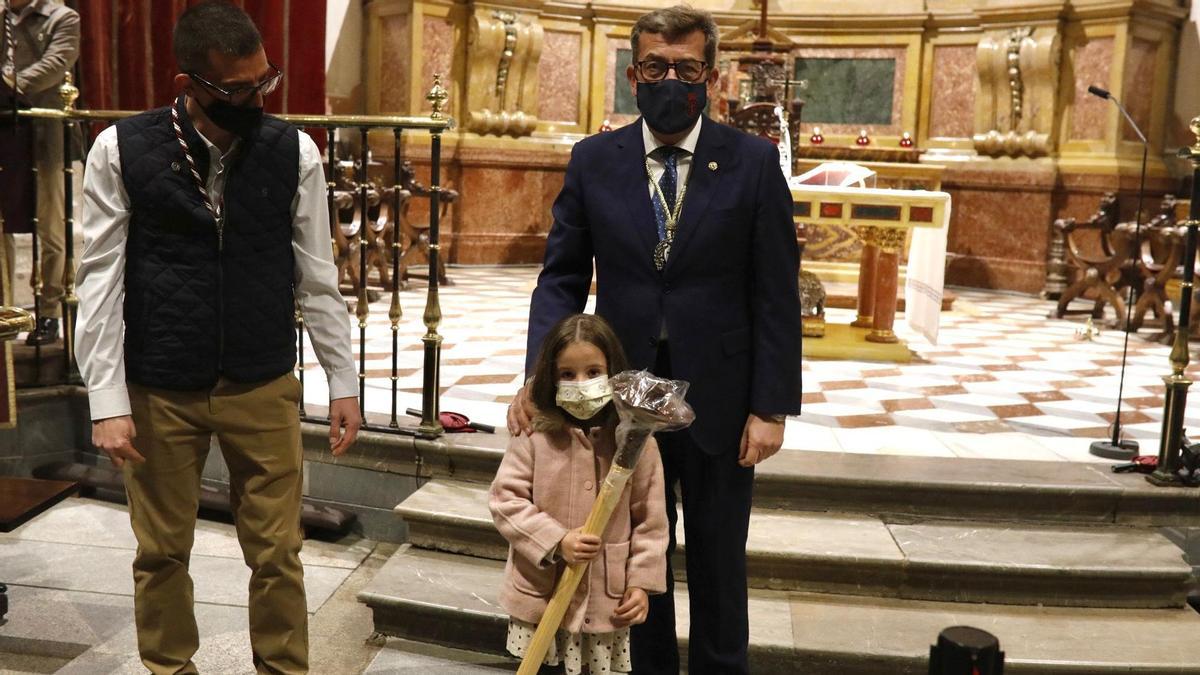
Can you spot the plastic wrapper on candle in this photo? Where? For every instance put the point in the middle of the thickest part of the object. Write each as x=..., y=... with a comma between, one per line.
x=646, y=404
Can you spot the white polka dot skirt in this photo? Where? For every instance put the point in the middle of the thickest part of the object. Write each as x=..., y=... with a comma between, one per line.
x=602, y=653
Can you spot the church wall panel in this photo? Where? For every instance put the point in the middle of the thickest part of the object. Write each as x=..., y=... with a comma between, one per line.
x=1092, y=65
x=952, y=103
x=1139, y=85
x=1006, y=195
x=1001, y=219
x=396, y=42
x=437, y=49
x=559, y=81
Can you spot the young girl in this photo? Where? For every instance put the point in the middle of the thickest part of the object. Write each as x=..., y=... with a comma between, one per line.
x=544, y=490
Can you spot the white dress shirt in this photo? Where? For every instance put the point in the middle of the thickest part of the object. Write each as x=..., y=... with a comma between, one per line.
x=683, y=162
x=683, y=166
x=100, y=331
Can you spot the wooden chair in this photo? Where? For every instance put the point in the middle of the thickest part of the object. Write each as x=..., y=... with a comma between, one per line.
x=1160, y=254
x=1105, y=273
x=415, y=235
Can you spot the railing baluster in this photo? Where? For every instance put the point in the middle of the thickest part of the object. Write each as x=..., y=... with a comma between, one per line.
x=431, y=425
x=394, y=312
x=36, y=275
x=70, y=301
x=362, y=310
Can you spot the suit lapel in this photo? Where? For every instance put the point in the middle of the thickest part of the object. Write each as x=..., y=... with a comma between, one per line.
x=703, y=183
x=632, y=182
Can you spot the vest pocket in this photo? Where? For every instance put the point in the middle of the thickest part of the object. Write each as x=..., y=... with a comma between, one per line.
x=616, y=556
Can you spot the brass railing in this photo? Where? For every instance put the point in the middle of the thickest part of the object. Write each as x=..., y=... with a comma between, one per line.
x=436, y=123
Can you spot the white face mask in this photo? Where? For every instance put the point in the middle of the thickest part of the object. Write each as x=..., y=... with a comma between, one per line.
x=584, y=399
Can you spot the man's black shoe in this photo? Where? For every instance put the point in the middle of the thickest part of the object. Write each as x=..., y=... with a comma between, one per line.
x=45, y=333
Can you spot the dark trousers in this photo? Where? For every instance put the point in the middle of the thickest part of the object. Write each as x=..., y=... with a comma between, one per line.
x=716, y=495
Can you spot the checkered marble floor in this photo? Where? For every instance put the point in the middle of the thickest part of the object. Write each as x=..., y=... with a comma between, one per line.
x=1004, y=381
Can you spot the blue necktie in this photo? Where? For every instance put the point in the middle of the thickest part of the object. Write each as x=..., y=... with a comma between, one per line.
x=668, y=183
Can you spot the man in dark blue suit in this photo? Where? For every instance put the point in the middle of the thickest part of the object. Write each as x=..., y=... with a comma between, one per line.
x=688, y=223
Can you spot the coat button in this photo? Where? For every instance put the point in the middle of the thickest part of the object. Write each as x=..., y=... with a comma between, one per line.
x=587, y=485
x=653, y=342
x=587, y=620
x=175, y=167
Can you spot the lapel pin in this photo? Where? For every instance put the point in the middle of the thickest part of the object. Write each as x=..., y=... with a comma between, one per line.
x=712, y=166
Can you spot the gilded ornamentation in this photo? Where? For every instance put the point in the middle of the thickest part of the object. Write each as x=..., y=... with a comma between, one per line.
x=503, y=49
x=1018, y=88
x=890, y=239
x=68, y=92
x=869, y=235
x=510, y=41
x=437, y=97
x=1013, y=59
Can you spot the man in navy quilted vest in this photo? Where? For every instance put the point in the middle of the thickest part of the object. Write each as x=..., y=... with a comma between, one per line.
x=205, y=224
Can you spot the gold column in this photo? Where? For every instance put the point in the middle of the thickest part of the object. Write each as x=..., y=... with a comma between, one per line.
x=68, y=93
x=431, y=425
x=1170, y=448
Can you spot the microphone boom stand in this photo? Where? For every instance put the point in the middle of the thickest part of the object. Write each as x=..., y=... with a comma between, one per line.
x=1116, y=447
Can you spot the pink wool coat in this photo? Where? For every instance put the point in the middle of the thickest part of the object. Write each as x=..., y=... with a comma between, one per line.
x=534, y=509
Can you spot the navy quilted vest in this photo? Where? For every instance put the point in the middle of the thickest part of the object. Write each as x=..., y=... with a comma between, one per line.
x=197, y=309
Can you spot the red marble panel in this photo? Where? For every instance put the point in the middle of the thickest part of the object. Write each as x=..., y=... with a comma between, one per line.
x=998, y=238
x=897, y=53
x=558, y=77
x=496, y=223
x=952, y=111
x=1092, y=65
x=395, y=63
x=437, y=44
x=1139, y=86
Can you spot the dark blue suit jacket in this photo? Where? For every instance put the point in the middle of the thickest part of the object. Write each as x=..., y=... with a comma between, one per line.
x=728, y=294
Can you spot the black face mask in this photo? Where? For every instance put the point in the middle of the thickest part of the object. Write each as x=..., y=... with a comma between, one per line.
x=671, y=106
x=239, y=120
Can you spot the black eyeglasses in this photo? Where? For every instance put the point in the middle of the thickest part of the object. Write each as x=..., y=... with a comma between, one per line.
x=688, y=70
x=238, y=94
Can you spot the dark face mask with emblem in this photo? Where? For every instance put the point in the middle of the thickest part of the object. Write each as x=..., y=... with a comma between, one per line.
x=240, y=120
x=671, y=106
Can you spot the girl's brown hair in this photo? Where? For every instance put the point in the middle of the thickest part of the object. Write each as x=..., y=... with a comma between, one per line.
x=575, y=328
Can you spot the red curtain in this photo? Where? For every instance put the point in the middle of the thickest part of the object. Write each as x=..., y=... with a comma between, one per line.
x=126, y=61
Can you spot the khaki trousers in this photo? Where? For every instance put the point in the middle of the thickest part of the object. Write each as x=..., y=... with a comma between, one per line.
x=258, y=429
x=51, y=231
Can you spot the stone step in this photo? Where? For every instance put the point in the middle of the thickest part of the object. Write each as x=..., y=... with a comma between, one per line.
x=971, y=489
x=1098, y=566
x=451, y=600
x=894, y=485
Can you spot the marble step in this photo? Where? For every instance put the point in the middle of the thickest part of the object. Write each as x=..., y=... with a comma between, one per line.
x=449, y=599
x=972, y=489
x=958, y=561
x=896, y=485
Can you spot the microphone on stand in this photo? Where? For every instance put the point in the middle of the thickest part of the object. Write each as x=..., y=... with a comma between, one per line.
x=1116, y=447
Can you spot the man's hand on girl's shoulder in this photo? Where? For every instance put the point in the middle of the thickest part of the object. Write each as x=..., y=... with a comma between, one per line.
x=521, y=411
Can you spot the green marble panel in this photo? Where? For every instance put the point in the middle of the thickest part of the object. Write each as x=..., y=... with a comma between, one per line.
x=623, y=101
x=847, y=91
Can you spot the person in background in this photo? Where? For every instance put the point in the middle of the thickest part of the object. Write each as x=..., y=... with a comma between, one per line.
x=39, y=42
